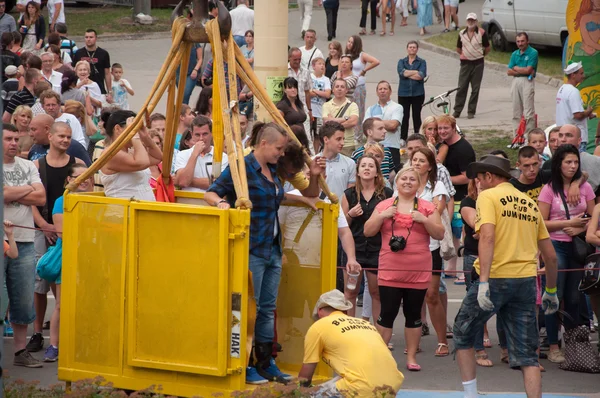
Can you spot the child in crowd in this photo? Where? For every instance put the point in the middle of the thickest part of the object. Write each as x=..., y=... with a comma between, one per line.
x=120, y=88
x=319, y=94
x=537, y=139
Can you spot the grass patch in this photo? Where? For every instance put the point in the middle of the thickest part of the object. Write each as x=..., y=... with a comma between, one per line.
x=111, y=20
x=549, y=63
x=485, y=141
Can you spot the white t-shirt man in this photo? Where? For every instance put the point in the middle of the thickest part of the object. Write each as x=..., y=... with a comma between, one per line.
x=52, y=8
x=203, y=168
x=569, y=102
x=340, y=171
x=55, y=79
x=308, y=56
x=391, y=111
x=319, y=83
x=21, y=172
x=242, y=20
x=76, y=130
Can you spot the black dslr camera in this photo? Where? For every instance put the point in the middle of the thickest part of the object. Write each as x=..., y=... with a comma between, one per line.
x=397, y=243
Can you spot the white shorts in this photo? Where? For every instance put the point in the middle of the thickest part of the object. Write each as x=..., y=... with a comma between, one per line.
x=451, y=3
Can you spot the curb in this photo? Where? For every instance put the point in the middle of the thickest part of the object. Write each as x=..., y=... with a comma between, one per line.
x=125, y=36
x=540, y=77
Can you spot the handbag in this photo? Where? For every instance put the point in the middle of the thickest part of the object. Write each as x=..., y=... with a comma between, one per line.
x=447, y=249
x=581, y=249
x=590, y=283
x=49, y=266
x=579, y=354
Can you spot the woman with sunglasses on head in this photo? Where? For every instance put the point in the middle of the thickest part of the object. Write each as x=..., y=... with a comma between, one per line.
x=406, y=224
x=358, y=204
x=290, y=106
x=127, y=174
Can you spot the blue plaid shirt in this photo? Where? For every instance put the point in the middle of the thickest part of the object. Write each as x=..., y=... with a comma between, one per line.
x=265, y=197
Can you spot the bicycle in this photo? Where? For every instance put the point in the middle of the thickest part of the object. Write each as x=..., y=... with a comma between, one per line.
x=443, y=101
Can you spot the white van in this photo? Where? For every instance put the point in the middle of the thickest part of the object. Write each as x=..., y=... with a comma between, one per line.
x=543, y=20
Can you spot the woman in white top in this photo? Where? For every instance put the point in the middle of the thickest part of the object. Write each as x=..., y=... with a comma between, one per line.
x=434, y=191
x=361, y=64
x=88, y=86
x=127, y=174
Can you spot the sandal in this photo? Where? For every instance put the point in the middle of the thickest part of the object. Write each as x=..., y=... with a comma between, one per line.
x=440, y=347
x=362, y=32
x=390, y=346
x=449, y=333
x=487, y=343
x=413, y=367
x=419, y=350
x=483, y=360
x=504, y=357
x=392, y=34
x=382, y=33
x=371, y=33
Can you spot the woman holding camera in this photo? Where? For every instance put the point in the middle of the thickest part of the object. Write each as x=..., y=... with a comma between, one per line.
x=565, y=221
x=406, y=224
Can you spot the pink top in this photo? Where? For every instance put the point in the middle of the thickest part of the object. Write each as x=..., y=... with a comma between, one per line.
x=416, y=257
x=557, y=208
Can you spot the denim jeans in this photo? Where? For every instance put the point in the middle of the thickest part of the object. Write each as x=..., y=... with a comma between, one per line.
x=468, y=261
x=240, y=41
x=514, y=304
x=568, y=292
x=188, y=89
x=19, y=274
x=266, y=274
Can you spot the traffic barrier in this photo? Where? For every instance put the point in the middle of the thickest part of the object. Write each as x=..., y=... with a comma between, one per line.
x=156, y=293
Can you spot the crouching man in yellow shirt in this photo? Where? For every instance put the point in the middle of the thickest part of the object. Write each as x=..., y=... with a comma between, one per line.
x=352, y=347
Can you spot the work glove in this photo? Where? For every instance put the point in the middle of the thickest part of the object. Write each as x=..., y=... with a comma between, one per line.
x=483, y=297
x=550, y=301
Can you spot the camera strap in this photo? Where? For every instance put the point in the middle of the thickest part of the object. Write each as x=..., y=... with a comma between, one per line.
x=415, y=208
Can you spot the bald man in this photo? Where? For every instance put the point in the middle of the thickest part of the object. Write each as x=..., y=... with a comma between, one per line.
x=39, y=128
x=571, y=134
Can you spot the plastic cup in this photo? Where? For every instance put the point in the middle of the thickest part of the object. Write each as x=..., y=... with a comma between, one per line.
x=352, y=280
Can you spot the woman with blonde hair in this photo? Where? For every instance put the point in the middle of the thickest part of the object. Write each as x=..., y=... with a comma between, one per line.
x=358, y=204
x=88, y=86
x=33, y=28
x=21, y=119
x=88, y=126
x=333, y=60
x=406, y=224
x=430, y=131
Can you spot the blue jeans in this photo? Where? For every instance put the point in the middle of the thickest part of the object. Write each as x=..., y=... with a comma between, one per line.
x=468, y=261
x=514, y=304
x=19, y=274
x=266, y=274
x=568, y=292
x=189, y=87
x=240, y=41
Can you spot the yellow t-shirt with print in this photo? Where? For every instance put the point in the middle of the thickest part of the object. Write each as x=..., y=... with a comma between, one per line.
x=354, y=349
x=330, y=109
x=519, y=227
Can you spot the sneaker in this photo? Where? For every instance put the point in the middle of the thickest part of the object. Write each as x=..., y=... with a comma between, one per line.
x=456, y=115
x=24, y=358
x=274, y=370
x=470, y=116
x=36, y=343
x=556, y=356
x=8, y=330
x=424, y=329
x=252, y=376
x=51, y=354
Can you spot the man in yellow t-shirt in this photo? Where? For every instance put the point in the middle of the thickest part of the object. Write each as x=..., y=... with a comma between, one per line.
x=352, y=347
x=340, y=109
x=511, y=230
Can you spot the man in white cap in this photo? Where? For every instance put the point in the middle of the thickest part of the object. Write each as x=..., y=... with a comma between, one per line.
x=351, y=346
x=569, y=105
x=511, y=231
x=472, y=46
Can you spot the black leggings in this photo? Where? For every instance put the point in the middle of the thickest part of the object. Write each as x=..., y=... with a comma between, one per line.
x=363, y=17
x=392, y=297
x=416, y=103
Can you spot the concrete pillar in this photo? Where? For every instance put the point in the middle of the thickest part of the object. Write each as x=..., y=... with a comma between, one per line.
x=270, y=44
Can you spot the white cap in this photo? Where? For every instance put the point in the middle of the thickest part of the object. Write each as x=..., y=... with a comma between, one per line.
x=471, y=15
x=333, y=298
x=10, y=70
x=572, y=68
